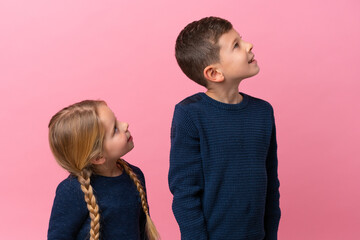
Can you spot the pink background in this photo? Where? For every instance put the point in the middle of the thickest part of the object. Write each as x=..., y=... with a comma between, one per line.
x=54, y=53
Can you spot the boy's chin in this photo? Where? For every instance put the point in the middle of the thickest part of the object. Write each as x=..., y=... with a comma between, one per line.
x=256, y=69
x=254, y=73
x=251, y=74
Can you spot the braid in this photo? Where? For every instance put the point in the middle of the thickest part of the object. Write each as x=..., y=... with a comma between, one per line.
x=151, y=231
x=84, y=179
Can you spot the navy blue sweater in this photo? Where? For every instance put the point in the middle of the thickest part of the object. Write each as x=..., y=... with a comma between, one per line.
x=121, y=214
x=223, y=169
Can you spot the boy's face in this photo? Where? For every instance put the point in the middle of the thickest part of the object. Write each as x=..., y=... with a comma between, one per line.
x=236, y=59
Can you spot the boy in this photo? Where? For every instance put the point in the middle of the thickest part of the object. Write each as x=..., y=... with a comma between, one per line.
x=223, y=159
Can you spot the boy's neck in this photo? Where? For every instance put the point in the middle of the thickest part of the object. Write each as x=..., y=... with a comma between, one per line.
x=229, y=96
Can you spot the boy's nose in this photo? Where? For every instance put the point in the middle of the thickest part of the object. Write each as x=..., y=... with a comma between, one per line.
x=250, y=47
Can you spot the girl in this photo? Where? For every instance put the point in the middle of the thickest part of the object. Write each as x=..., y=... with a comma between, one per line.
x=97, y=200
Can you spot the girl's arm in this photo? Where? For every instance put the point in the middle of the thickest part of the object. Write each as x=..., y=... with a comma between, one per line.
x=69, y=211
x=142, y=220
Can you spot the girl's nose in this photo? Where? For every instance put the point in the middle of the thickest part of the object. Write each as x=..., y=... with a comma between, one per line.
x=125, y=125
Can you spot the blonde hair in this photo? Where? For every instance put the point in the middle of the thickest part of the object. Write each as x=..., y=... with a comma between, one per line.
x=76, y=136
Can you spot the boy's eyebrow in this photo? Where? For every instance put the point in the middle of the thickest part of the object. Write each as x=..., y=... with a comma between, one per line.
x=235, y=40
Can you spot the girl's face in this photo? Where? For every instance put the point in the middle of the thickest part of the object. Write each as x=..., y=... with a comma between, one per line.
x=118, y=140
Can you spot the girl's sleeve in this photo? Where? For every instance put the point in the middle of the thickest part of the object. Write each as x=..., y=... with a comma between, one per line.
x=69, y=211
x=142, y=221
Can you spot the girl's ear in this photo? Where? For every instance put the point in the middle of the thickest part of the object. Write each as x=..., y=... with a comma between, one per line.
x=213, y=74
x=97, y=161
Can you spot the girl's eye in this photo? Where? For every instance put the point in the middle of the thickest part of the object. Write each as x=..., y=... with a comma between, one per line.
x=115, y=129
x=236, y=45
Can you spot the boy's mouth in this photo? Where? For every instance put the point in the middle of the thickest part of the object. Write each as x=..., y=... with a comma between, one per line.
x=252, y=59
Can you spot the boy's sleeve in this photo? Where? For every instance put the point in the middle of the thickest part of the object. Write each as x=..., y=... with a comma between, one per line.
x=272, y=208
x=186, y=177
x=69, y=211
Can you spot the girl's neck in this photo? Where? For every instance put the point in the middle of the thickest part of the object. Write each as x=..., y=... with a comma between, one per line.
x=108, y=169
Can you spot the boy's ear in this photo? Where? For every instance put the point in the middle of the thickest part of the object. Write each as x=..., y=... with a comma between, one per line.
x=213, y=74
x=97, y=161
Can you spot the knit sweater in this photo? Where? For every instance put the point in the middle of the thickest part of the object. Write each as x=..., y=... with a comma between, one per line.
x=121, y=214
x=223, y=169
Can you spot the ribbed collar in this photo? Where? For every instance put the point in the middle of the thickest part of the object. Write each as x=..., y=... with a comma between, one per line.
x=226, y=106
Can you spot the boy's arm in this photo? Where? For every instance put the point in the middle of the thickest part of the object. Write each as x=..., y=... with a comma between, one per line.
x=272, y=208
x=186, y=177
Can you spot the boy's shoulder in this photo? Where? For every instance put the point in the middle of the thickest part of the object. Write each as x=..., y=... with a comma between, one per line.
x=189, y=105
x=198, y=100
x=257, y=102
x=191, y=100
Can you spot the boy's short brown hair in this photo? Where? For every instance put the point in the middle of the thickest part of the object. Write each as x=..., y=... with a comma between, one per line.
x=197, y=46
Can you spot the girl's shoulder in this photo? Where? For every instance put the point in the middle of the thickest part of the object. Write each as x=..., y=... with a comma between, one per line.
x=69, y=210
x=70, y=186
x=137, y=171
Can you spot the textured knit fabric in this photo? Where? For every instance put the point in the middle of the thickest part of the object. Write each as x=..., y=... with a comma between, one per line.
x=223, y=169
x=121, y=214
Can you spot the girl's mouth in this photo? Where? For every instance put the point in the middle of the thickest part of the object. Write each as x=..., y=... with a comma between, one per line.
x=130, y=139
